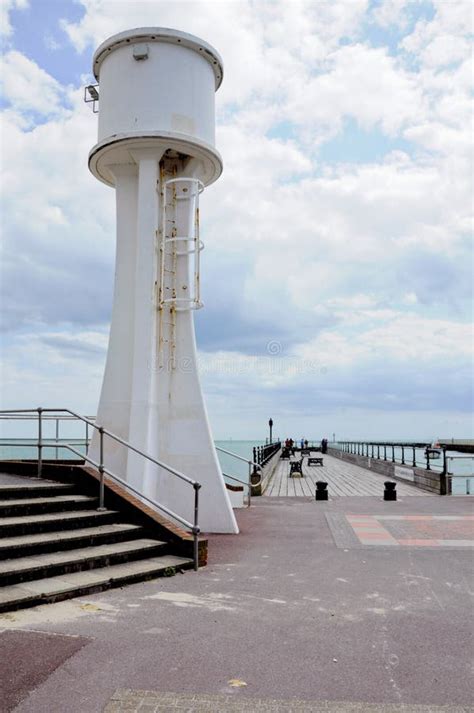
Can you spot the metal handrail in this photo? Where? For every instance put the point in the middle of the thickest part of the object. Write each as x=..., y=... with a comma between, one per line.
x=237, y=480
x=245, y=483
x=459, y=475
x=68, y=446
x=379, y=450
x=19, y=417
x=102, y=469
x=236, y=455
x=106, y=432
x=251, y=464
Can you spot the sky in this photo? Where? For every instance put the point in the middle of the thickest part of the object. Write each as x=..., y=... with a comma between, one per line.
x=337, y=275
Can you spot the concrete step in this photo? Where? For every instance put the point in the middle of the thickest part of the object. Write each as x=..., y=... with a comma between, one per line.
x=35, y=544
x=40, y=591
x=56, y=503
x=34, y=489
x=25, y=569
x=12, y=526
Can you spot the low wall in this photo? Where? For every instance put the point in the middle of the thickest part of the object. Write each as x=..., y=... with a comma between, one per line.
x=429, y=480
x=268, y=470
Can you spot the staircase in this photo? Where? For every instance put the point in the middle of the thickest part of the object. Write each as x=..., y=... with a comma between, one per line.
x=55, y=544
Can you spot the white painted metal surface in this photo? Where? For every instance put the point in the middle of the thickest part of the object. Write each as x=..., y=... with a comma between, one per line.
x=156, y=89
x=156, y=146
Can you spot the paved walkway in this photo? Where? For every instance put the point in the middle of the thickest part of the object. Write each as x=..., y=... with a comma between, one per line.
x=300, y=612
x=344, y=479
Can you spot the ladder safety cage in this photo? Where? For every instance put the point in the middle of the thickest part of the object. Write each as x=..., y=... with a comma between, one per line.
x=171, y=246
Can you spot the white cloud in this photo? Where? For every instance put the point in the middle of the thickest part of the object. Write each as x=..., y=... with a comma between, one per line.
x=356, y=266
x=360, y=82
x=27, y=87
x=6, y=6
x=444, y=39
x=391, y=12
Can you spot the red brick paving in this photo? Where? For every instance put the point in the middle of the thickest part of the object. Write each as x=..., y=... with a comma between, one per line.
x=412, y=530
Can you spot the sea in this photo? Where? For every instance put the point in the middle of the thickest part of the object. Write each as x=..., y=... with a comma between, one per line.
x=232, y=467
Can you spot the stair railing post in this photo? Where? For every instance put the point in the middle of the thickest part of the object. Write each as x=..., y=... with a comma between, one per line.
x=57, y=438
x=40, y=442
x=101, y=469
x=393, y=454
x=414, y=457
x=196, y=487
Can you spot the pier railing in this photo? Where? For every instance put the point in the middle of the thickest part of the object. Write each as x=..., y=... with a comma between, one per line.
x=57, y=414
x=402, y=452
x=262, y=454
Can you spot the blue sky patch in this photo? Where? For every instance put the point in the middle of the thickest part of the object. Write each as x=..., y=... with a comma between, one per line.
x=356, y=145
x=38, y=35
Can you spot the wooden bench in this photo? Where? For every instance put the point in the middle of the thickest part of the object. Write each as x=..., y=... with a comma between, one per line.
x=295, y=467
x=315, y=461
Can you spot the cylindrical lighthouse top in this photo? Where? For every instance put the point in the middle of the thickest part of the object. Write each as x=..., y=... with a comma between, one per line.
x=157, y=88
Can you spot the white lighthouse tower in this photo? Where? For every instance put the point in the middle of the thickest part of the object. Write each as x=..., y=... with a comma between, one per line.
x=156, y=148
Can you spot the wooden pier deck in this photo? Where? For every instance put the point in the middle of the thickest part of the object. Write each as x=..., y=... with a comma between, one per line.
x=344, y=479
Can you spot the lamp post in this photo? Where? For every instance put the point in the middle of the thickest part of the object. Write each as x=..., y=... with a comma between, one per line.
x=270, y=423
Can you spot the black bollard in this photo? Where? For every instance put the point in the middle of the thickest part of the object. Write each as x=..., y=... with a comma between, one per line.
x=390, y=492
x=321, y=490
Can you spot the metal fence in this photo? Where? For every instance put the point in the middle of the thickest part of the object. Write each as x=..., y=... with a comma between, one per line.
x=414, y=454
x=262, y=454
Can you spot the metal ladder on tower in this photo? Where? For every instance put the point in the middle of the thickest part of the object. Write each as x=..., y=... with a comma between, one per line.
x=173, y=190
